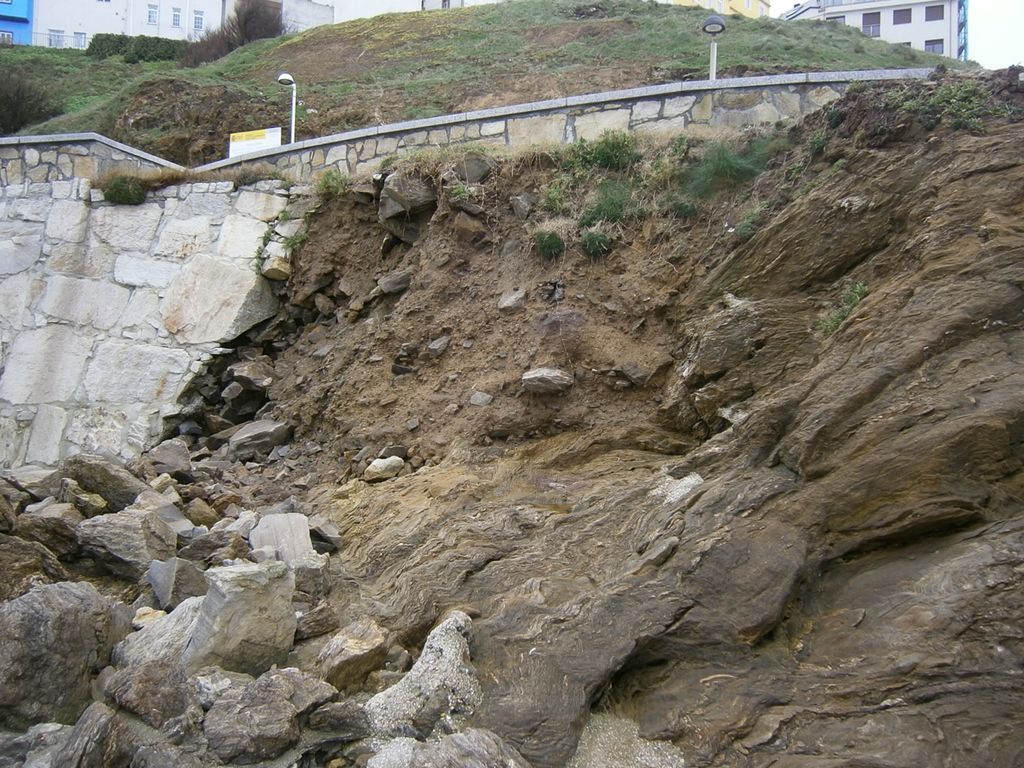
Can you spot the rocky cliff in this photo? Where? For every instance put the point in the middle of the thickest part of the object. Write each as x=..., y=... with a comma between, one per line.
x=726, y=495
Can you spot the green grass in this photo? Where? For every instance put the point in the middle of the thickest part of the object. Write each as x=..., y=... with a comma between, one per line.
x=724, y=166
x=611, y=203
x=550, y=245
x=849, y=301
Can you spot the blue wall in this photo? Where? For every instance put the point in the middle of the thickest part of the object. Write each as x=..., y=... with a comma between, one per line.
x=16, y=18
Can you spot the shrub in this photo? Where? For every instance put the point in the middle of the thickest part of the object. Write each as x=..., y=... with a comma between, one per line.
x=331, y=184
x=460, y=192
x=252, y=20
x=596, y=244
x=816, y=143
x=550, y=245
x=613, y=151
x=23, y=103
x=124, y=190
x=553, y=199
x=611, y=203
x=104, y=45
x=677, y=205
x=749, y=224
x=723, y=167
x=146, y=48
x=851, y=298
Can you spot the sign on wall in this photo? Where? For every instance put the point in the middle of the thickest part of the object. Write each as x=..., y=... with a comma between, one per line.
x=253, y=141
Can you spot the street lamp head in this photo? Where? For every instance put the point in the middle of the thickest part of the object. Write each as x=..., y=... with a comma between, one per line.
x=285, y=79
x=714, y=24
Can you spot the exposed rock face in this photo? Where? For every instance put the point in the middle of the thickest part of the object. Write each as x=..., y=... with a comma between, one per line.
x=406, y=204
x=50, y=680
x=476, y=748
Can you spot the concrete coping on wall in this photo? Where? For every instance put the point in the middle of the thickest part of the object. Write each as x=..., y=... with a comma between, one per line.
x=497, y=113
x=82, y=138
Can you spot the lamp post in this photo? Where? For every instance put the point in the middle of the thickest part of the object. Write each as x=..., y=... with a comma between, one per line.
x=714, y=25
x=285, y=79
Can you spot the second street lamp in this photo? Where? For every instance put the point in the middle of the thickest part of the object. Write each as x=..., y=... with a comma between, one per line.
x=285, y=79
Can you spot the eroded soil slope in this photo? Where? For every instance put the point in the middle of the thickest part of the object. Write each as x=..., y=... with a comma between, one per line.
x=770, y=544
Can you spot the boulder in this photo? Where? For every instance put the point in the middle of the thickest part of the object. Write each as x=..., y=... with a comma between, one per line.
x=316, y=621
x=7, y=515
x=512, y=301
x=53, y=526
x=174, y=581
x=126, y=542
x=24, y=565
x=257, y=438
x=383, y=469
x=246, y=622
x=36, y=748
x=94, y=474
x=475, y=167
x=162, y=640
x=344, y=720
x=406, y=205
x=545, y=381
x=55, y=639
x=288, y=534
x=394, y=282
x=352, y=654
x=155, y=692
x=89, y=504
x=100, y=739
x=172, y=457
x=261, y=721
x=215, y=548
x=441, y=682
x=476, y=748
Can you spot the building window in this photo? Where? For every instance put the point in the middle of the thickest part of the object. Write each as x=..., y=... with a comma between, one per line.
x=837, y=19
x=934, y=13
x=901, y=16
x=871, y=24
x=176, y=17
x=80, y=40
x=6, y=38
x=934, y=46
x=56, y=38
x=197, y=21
x=748, y=4
x=152, y=11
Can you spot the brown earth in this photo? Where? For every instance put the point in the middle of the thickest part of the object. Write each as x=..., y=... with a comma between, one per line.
x=786, y=548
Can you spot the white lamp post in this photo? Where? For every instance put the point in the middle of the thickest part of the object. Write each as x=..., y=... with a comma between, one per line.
x=285, y=79
x=714, y=25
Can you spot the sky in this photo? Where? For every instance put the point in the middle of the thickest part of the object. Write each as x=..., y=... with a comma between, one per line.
x=995, y=30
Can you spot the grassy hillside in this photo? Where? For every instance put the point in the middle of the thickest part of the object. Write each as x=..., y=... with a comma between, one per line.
x=402, y=66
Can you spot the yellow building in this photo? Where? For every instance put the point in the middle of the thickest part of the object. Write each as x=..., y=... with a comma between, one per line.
x=752, y=8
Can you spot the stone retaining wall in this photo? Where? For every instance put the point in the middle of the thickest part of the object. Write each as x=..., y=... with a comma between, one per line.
x=107, y=311
x=699, y=108
x=64, y=157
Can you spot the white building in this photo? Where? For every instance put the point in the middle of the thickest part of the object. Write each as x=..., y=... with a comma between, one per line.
x=72, y=23
x=937, y=26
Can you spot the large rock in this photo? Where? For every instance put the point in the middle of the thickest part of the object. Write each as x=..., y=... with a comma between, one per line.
x=383, y=469
x=54, y=527
x=172, y=457
x=174, y=581
x=441, y=682
x=127, y=542
x=100, y=739
x=353, y=653
x=94, y=474
x=406, y=205
x=545, y=381
x=261, y=721
x=24, y=565
x=215, y=301
x=476, y=748
x=162, y=640
x=287, y=534
x=55, y=639
x=246, y=622
x=257, y=438
x=156, y=692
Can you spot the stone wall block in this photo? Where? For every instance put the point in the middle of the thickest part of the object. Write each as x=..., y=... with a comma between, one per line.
x=646, y=110
x=241, y=237
x=544, y=129
x=591, y=125
x=20, y=245
x=260, y=205
x=93, y=303
x=67, y=220
x=130, y=269
x=127, y=228
x=157, y=373
x=44, y=365
x=181, y=237
x=45, y=439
